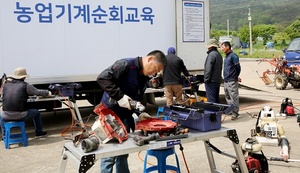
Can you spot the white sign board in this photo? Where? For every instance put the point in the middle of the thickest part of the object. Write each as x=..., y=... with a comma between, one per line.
x=193, y=21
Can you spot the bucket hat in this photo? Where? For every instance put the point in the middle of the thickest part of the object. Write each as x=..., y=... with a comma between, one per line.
x=212, y=43
x=19, y=73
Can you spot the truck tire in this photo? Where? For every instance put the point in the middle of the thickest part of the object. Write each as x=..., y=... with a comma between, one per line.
x=280, y=81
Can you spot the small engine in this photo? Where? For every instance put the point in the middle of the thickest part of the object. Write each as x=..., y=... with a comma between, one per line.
x=270, y=130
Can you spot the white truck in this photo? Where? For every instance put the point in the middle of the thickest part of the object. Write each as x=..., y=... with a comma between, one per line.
x=68, y=41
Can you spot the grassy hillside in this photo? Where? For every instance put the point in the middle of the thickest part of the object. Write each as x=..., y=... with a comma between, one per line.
x=277, y=12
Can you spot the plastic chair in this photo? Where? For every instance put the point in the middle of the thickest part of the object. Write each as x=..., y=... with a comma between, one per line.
x=10, y=138
x=161, y=156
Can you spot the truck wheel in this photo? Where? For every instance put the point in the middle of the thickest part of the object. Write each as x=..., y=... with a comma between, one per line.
x=280, y=81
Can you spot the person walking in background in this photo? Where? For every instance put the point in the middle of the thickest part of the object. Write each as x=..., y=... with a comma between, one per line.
x=231, y=72
x=172, y=77
x=15, y=95
x=213, y=71
x=123, y=81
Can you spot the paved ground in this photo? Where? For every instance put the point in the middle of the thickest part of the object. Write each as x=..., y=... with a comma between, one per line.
x=43, y=155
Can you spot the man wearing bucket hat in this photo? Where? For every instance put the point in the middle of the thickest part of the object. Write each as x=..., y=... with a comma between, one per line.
x=213, y=71
x=15, y=95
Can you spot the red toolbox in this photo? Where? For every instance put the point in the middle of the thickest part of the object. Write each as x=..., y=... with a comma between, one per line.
x=203, y=116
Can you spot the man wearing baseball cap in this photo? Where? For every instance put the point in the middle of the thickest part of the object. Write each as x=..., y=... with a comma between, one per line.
x=14, y=98
x=213, y=71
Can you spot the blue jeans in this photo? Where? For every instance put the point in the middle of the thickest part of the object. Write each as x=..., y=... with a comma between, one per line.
x=31, y=114
x=120, y=161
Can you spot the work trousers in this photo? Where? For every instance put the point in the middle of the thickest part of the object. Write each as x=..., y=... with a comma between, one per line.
x=212, y=92
x=231, y=90
x=171, y=91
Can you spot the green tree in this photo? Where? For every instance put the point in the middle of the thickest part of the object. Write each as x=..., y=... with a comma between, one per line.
x=265, y=31
x=293, y=30
x=280, y=36
x=244, y=34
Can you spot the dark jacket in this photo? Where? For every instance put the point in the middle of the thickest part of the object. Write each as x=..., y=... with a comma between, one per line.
x=15, y=95
x=123, y=77
x=232, y=67
x=173, y=69
x=213, y=66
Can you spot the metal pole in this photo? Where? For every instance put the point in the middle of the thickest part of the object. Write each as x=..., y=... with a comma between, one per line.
x=228, y=27
x=250, y=31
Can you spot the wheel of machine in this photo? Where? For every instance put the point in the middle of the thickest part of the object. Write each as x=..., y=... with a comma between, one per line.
x=295, y=84
x=280, y=81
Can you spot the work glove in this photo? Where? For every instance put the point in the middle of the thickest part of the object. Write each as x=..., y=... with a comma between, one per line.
x=144, y=116
x=139, y=107
x=124, y=102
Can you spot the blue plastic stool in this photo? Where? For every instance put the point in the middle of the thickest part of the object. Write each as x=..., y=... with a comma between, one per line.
x=9, y=138
x=159, y=110
x=161, y=156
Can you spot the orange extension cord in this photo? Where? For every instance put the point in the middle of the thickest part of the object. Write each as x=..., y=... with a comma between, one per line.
x=71, y=127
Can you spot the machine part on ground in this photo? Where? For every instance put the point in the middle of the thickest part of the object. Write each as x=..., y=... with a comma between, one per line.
x=298, y=119
x=251, y=145
x=282, y=159
x=285, y=148
x=256, y=163
x=283, y=73
x=268, y=127
x=142, y=140
x=287, y=107
x=90, y=144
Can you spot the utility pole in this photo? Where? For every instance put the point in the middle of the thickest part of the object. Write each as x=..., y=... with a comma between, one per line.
x=227, y=27
x=250, y=31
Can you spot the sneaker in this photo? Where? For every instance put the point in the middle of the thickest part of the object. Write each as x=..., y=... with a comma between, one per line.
x=234, y=117
x=42, y=135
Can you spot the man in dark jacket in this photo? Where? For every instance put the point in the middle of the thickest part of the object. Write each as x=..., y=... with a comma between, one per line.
x=213, y=71
x=15, y=95
x=172, y=77
x=126, y=80
x=232, y=70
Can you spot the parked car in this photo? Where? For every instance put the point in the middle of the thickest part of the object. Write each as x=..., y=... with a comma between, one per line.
x=292, y=52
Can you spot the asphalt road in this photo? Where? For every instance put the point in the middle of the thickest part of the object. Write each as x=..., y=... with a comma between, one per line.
x=43, y=155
